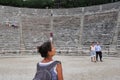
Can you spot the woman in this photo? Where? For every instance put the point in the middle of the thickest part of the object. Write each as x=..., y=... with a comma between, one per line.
x=47, y=51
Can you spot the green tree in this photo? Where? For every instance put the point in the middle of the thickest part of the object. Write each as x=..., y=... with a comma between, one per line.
x=54, y=3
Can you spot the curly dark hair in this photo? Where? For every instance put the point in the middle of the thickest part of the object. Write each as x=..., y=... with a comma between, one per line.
x=44, y=48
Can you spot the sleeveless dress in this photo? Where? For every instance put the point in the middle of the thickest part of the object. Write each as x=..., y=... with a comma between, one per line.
x=92, y=52
x=52, y=71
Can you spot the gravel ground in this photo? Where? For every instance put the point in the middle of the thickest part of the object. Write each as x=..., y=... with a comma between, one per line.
x=23, y=67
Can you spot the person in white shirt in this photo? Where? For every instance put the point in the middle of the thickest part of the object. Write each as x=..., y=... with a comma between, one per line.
x=98, y=51
x=92, y=52
x=51, y=37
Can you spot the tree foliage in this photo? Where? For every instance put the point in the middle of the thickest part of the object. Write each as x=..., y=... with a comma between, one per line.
x=54, y=3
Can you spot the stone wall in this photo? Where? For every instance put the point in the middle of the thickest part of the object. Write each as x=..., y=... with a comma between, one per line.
x=22, y=29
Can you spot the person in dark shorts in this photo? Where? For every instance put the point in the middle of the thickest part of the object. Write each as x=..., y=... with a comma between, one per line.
x=98, y=50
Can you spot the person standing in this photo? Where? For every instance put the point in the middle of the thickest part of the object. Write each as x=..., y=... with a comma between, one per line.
x=98, y=51
x=51, y=37
x=47, y=51
x=92, y=52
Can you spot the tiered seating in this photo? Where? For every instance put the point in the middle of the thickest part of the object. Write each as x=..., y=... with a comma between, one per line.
x=73, y=29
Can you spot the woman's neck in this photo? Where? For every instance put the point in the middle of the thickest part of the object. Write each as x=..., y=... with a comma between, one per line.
x=48, y=59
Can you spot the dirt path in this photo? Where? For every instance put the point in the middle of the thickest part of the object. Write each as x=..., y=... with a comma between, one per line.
x=74, y=68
